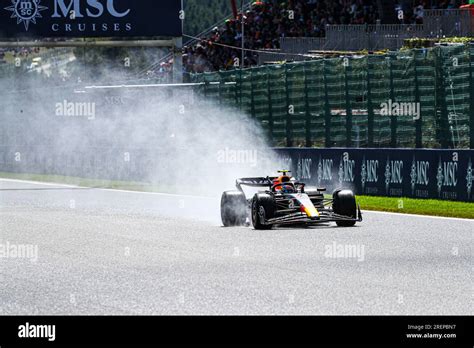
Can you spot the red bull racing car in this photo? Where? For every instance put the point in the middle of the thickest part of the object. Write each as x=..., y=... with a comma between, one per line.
x=283, y=201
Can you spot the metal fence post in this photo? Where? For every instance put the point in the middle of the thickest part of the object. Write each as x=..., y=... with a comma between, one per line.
x=219, y=90
x=327, y=109
x=252, y=98
x=289, y=121
x=471, y=105
x=236, y=92
x=270, y=108
x=393, y=119
x=441, y=107
x=370, y=108
x=205, y=87
x=309, y=141
x=418, y=122
x=347, y=69
x=240, y=89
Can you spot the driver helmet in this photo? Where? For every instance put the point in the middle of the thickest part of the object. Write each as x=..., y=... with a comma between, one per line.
x=282, y=180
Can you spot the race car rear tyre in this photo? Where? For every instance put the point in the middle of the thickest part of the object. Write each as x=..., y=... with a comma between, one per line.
x=344, y=203
x=263, y=207
x=233, y=208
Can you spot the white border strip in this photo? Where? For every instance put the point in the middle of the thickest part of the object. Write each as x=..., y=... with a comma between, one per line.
x=101, y=189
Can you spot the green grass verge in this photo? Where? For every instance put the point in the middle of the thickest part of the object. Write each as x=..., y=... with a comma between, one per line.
x=389, y=204
x=432, y=207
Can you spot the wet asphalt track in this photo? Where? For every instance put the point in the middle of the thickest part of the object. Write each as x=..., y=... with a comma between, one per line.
x=114, y=252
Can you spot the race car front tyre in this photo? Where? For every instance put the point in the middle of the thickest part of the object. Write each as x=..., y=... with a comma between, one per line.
x=233, y=208
x=263, y=208
x=344, y=203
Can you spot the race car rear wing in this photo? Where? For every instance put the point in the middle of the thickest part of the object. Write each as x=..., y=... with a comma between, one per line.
x=254, y=182
x=263, y=182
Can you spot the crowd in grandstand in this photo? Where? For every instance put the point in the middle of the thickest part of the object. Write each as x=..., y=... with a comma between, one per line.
x=413, y=11
x=267, y=21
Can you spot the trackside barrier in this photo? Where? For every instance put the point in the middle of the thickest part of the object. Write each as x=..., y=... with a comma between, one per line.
x=420, y=98
x=430, y=174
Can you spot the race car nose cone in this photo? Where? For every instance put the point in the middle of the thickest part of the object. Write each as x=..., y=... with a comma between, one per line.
x=310, y=211
x=306, y=206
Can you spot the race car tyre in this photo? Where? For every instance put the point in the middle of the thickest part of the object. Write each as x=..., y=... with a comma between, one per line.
x=233, y=208
x=263, y=206
x=344, y=203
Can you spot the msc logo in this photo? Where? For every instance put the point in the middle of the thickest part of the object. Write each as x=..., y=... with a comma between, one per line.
x=346, y=169
x=26, y=11
x=94, y=9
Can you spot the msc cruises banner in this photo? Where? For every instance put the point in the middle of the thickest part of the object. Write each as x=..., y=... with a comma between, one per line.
x=436, y=174
x=90, y=18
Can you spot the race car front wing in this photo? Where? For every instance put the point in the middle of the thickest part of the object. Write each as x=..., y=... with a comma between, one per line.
x=325, y=215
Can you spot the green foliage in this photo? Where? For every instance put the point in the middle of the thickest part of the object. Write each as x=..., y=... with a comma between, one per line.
x=429, y=42
x=463, y=40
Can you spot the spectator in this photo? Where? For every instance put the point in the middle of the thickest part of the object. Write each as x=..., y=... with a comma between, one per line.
x=413, y=11
x=266, y=22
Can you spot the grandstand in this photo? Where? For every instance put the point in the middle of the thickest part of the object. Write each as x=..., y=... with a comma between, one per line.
x=278, y=30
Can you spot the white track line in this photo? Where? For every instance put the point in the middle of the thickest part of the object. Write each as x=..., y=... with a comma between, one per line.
x=40, y=183
x=203, y=197
x=101, y=189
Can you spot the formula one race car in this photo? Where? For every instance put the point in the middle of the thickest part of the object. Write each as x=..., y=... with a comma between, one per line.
x=287, y=202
